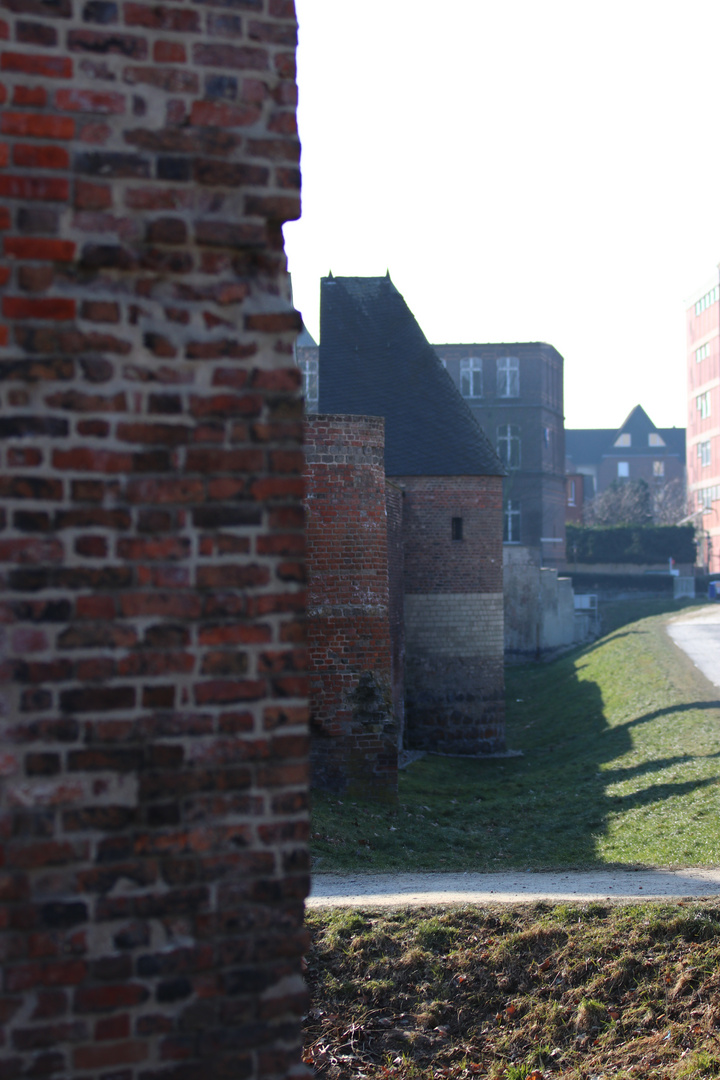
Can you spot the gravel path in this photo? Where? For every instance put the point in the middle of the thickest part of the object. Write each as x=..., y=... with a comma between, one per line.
x=697, y=632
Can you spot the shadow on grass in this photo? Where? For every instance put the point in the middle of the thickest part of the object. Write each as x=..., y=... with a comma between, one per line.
x=688, y=706
x=548, y=808
x=656, y=765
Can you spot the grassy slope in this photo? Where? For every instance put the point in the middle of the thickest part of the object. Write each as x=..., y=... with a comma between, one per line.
x=620, y=745
x=535, y=992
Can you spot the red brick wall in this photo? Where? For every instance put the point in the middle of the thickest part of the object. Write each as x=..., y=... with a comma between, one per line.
x=153, y=807
x=394, y=504
x=455, y=691
x=354, y=747
x=434, y=562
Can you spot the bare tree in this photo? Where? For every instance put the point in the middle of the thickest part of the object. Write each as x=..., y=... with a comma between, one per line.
x=626, y=502
x=670, y=503
x=633, y=502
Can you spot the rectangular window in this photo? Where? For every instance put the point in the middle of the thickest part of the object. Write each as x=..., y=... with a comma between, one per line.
x=456, y=528
x=703, y=451
x=571, y=492
x=703, y=352
x=311, y=384
x=511, y=523
x=623, y=470
x=658, y=468
x=508, y=445
x=708, y=299
x=471, y=384
x=702, y=402
x=706, y=497
x=508, y=376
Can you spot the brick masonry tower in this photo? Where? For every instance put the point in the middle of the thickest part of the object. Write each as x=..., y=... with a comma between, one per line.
x=375, y=361
x=353, y=722
x=153, y=769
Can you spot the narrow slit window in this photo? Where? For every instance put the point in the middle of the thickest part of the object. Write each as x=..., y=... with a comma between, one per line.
x=456, y=528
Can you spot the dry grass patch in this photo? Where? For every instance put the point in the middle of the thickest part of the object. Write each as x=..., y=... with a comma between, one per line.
x=537, y=992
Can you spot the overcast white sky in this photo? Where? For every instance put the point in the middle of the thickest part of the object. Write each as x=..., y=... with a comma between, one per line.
x=528, y=170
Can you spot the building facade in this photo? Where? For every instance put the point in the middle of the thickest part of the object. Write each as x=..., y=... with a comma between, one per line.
x=703, y=428
x=596, y=458
x=375, y=361
x=515, y=392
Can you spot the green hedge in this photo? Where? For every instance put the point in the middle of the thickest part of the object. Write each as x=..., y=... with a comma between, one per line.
x=631, y=544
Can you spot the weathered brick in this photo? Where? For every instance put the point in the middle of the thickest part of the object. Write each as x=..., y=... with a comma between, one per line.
x=107, y=42
x=145, y=611
x=90, y=101
x=40, y=157
x=54, y=67
x=35, y=33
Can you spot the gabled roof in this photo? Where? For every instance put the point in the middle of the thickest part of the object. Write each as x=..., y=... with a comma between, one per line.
x=376, y=361
x=638, y=424
x=586, y=446
x=305, y=339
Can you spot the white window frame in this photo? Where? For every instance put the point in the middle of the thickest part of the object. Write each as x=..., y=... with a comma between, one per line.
x=658, y=468
x=508, y=377
x=704, y=453
x=471, y=377
x=511, y=522
x=702, y=401
x=708, y=299
x=509, y=445
x=311, y=383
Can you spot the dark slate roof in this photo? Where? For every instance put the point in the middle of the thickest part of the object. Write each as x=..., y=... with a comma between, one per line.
x=376, y=361
x=585, y=446
x=305, y=339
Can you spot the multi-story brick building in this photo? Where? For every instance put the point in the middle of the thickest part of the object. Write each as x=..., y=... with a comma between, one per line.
x=375, y=361
x=703, y=430
x=515, y=392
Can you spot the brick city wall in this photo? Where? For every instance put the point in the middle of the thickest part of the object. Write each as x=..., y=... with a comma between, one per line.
x=153, y=798
x=394, y=499
x=455, y=690
x=354, y=744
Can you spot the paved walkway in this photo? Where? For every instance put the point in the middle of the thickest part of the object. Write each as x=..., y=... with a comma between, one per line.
x=417, y=890
x=697, y=632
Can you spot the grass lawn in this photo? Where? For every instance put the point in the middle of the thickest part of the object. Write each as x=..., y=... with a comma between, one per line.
x=620, y=748
x=529, y=993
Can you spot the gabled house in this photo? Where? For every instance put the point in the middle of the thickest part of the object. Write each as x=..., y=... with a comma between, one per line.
x=374, y=360
x=637, y=450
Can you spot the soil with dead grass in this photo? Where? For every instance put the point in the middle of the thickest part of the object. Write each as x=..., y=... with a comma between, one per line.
x=527, y=993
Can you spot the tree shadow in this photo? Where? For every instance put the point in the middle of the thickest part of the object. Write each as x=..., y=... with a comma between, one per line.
x=616, y=776
x=569, y=747
x=689, y=706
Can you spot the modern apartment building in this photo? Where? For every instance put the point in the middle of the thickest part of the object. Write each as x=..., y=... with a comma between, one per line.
x=703, y=428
